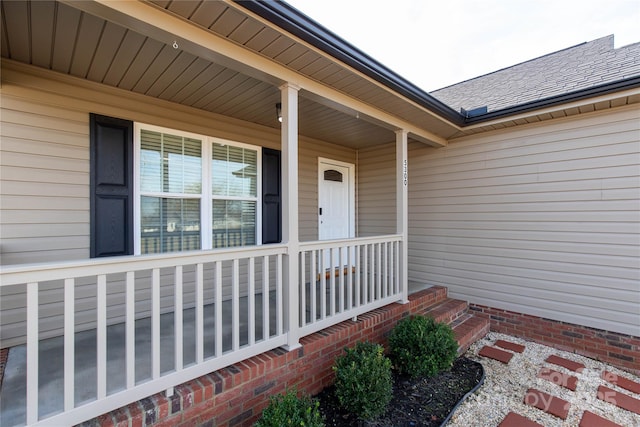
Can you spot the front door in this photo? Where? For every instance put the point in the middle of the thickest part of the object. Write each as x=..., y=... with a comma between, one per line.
x=336, y=216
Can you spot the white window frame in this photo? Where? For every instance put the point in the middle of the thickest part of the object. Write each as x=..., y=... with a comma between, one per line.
x=206, y=196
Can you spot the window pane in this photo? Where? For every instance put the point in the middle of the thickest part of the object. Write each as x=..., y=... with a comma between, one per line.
x=234, y=171
x=169, y=225
x=192, y=163
x=150, y=161
x=170, y=163
x=234, y=223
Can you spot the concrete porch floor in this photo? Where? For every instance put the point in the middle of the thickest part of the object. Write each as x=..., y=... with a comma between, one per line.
x=51, y=373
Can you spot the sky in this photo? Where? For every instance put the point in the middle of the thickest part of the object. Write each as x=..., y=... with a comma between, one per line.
x=436, y=43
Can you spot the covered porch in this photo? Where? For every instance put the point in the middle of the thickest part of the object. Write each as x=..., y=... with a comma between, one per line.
x=69, y=378
x=99, y=332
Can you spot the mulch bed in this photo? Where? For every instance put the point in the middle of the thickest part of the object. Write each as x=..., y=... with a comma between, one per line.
x=420, y=402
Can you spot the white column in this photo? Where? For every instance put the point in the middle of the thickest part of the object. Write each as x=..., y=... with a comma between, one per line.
x=402, y=209
x=289, y=135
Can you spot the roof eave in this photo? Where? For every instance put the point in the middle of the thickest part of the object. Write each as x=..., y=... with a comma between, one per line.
x=591, y=92
x=303, y=27
x=288, y=18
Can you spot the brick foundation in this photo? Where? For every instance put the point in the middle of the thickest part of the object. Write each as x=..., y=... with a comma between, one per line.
x=236, y=395
x=616, y=349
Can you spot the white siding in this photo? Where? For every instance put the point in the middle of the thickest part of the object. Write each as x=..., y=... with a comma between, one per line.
x=542, y=219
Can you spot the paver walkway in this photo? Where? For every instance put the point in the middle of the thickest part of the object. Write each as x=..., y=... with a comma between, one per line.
x=554, y=405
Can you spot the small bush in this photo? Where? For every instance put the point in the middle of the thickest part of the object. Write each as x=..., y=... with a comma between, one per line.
x=419, y=346
x=290, y=410
x=363, y=380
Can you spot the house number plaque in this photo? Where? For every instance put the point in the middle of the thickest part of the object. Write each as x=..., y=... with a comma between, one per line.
x=404, y=172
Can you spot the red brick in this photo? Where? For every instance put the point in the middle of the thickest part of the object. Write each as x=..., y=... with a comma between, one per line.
x=189, y=423
x=105, y=420
x=516, y=420
x=558, y=378
x=618, y=399
x=496, y=353
x=170, y=422
x=228, y=396
x=207, y=387
x=197, y=393
x=622, y=382
x=589, y=419
x=135, y=413
x=566, y=363
x=162, y=405
x=547, y=403
x=137, y=420
x=121, y=417
x=195, y=411
x=510, y=346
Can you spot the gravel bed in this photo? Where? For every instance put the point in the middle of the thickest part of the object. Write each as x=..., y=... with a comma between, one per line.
x=505, y=387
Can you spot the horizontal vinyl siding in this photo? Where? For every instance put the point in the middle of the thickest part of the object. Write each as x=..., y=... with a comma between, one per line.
x=45, y=183
x=377, y=190
x=44, y=196
x=542, y=219
x=45, y=161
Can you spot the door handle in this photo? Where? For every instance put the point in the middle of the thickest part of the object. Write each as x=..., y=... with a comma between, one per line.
x=320, y=211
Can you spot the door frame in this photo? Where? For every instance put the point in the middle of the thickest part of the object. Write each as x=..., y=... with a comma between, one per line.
x=351, y=167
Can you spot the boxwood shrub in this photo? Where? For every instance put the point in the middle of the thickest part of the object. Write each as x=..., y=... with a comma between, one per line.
x=363, y=382
x=419, y=346
x=290, y=410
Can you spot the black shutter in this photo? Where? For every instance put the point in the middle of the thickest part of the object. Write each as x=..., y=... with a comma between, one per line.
x=111, y=186
x=271, y=196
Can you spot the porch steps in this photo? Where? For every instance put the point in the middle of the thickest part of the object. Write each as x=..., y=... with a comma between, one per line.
x=467, y=327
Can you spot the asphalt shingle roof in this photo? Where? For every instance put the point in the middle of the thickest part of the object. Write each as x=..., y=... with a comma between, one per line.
x=579, y=67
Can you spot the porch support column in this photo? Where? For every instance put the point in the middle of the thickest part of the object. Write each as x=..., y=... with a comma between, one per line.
x=402, y=209
x=289, y=135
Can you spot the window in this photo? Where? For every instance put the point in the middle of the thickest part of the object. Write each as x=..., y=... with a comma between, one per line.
x=234, y=188
x=185, y=203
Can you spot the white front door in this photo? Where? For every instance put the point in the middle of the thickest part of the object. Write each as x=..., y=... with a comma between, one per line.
x=336, y=216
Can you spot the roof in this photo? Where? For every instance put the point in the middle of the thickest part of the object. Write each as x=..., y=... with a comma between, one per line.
x=597, y=69
x=576, y=68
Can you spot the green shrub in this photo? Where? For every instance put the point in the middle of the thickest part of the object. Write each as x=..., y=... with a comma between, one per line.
x=363, y=380
x=419, y=346
x=290, y=410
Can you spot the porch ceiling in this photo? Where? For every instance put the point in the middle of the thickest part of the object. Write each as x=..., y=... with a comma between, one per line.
x=62, y=38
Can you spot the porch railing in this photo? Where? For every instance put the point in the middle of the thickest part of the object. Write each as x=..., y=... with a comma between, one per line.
x=341, y=279
x=183, y=315
x=225, y=328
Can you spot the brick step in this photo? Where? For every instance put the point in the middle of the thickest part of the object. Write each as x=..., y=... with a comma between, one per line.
x=426, y=298
x=469, y=330
x=466, y=327
x=447, y=310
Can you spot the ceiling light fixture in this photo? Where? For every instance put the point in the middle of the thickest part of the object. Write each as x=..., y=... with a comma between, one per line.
x=279, y=111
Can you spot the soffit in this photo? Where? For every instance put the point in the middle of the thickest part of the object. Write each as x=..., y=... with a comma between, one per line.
x=235, y=23
x=61, y=38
